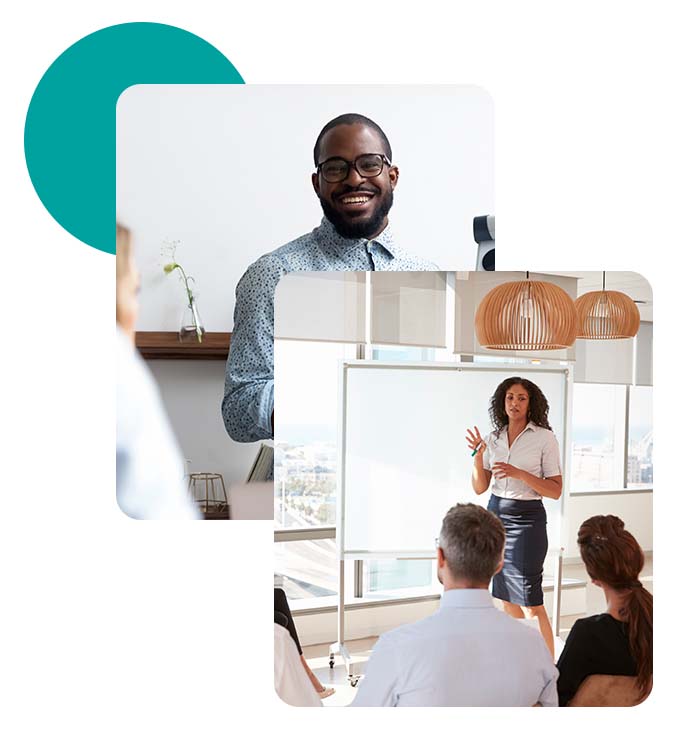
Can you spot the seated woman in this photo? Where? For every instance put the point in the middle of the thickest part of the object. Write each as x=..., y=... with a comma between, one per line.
x=284, y=618
x=618, y=642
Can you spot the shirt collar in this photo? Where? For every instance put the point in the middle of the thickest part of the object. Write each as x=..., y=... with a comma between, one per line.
x=333, y=240
x=466, y=598
x=529, y=426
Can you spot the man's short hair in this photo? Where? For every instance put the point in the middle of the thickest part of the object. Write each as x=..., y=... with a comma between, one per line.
x=472, y=540
x=350, y=119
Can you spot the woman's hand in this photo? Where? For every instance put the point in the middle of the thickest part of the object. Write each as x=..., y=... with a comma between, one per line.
x=480, y=477
x=501, y=470
x=475, y=441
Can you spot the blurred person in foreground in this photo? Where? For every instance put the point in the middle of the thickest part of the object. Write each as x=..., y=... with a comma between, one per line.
x=291, y=680
x=469, y=653
x=150, y=469
x=619, y=641
x=284, y=618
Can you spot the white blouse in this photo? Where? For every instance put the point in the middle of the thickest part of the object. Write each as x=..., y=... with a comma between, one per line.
x=534, y=450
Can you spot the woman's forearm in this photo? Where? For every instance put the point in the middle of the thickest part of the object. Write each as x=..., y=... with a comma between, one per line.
x=479, y=478
x=546, y=487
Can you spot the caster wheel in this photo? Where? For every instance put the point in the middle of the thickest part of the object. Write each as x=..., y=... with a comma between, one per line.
x=353, y=681
x=331, y=663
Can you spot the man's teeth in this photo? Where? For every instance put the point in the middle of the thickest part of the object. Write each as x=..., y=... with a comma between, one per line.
x=356, y=199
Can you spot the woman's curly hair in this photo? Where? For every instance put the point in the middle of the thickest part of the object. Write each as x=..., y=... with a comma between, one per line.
x=538, y=407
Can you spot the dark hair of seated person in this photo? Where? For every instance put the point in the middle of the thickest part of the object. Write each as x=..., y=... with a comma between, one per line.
x=603, y=644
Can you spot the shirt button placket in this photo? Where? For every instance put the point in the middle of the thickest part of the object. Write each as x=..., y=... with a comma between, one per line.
x=370, y=248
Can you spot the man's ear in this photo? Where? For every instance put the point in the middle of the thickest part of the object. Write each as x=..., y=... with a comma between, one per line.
x=440, y=558
x=393, y=176
x=500, y=565
x=315, y=180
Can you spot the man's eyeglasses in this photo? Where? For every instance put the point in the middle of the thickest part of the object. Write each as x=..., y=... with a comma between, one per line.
x=367, y=165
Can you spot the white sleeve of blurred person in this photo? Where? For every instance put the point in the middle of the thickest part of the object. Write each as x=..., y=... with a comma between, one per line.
x=150, y=469
x=291, y=682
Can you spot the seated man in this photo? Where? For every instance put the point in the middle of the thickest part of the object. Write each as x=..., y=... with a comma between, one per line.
x=468, y=653
x=354, y=180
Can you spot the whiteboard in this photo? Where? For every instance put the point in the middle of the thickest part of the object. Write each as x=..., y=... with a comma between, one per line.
x=404, y=460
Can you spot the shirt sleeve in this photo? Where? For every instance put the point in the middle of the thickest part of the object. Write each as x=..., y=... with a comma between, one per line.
x=549, y=696
x=487, y=454
x=573, y=663
x=378, y=686
x=551, y=460
x=249, y=376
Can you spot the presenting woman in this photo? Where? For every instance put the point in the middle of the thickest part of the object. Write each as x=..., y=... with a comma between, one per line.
x=521, y=459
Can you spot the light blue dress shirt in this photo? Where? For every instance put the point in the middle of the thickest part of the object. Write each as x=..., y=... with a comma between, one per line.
x=468, y=654
x=249, y=387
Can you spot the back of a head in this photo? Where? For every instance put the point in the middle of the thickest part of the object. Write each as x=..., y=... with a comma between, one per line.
x=612, y=556
x=472, y=540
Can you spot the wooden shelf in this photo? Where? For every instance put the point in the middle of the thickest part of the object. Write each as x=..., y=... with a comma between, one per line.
x=166, y=345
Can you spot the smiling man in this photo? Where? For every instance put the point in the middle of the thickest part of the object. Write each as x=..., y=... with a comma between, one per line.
x=354, y=180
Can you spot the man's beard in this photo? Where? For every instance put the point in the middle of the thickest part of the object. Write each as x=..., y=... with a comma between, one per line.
x=367, y=228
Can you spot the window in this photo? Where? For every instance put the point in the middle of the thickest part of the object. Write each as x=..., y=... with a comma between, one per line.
x=390, y=575
x=307, y=568
x=612, y=437
x=598, y=431
x=306, y=382
x=640, y=440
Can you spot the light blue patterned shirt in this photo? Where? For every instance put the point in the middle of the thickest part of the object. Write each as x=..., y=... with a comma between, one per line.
x=249, y=386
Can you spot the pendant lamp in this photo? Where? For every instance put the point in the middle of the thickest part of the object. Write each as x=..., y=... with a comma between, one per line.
x=529, y=315
x=607, y=314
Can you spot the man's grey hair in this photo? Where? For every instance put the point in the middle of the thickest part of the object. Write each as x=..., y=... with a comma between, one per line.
x=472, y=540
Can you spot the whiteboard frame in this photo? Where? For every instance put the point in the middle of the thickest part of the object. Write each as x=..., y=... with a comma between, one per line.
x=351, y=365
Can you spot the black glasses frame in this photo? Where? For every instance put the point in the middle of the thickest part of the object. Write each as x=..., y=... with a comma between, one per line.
x=353, y=164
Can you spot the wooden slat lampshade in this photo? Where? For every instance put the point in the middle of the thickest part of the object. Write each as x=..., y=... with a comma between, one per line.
x=526, y=316
x=606, y=314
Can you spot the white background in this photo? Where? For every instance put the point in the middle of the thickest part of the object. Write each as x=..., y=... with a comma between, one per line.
x=113, y=627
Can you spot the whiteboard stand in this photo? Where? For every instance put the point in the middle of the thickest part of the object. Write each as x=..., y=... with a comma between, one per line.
x=556, y=601
x=438, y=396
x=339, y=648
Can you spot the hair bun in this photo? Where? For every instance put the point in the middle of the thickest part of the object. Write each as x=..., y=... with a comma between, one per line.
x=611, y=526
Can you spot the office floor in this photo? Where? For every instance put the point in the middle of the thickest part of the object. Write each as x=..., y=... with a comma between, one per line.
x=318, y=655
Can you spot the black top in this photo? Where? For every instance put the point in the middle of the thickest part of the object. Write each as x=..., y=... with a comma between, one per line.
x=596, y=645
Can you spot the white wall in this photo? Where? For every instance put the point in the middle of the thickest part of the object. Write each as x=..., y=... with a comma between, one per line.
x=634, y=508
x=191, y=393
x=226, y=170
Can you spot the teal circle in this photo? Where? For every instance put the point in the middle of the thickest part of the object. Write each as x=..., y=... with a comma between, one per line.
x=69, y=136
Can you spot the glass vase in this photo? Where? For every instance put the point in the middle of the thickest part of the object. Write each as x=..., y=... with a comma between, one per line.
x=191, y=329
